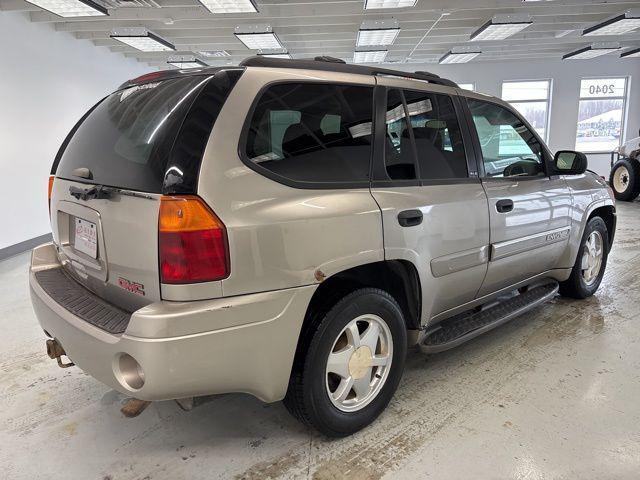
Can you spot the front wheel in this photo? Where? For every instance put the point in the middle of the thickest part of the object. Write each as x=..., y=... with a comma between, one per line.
x=625, y=179
x=591, y=261
x=351, y=368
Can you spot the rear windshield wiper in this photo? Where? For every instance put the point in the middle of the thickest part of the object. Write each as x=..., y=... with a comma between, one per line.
x=97, y=191
x=100, y=191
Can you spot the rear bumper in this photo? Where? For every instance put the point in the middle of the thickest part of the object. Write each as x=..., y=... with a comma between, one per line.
x=236, y=344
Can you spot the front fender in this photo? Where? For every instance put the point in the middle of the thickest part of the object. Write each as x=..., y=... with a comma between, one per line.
x=580, y=217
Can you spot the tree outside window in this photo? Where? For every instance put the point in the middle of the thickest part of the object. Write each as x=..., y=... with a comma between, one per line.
x=601, y=113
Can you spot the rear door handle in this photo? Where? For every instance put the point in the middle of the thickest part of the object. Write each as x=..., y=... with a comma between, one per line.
x=410, y=218
x=504, y=206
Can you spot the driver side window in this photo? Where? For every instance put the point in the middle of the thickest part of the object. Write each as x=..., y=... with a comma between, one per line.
x=509, y=148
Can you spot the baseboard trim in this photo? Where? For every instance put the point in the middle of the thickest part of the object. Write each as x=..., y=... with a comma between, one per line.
x=25, y=246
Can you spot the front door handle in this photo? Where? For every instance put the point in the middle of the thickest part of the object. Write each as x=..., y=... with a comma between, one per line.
x=504, y=206
x=410, y=218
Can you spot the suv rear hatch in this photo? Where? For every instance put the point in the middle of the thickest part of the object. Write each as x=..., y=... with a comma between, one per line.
x=142, y=142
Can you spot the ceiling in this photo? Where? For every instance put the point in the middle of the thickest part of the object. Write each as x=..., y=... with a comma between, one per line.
x=329, y=27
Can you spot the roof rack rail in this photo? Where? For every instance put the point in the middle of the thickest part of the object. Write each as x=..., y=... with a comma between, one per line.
x=428, y=74
x=330, y=64
x=326, y=58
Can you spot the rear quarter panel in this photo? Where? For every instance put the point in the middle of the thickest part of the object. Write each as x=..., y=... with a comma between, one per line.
x=279, y=236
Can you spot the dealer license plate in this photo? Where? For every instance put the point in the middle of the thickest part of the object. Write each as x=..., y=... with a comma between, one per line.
x=86, y=238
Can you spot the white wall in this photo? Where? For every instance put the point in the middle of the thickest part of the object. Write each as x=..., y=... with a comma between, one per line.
x=566, y=77
x=48, y=80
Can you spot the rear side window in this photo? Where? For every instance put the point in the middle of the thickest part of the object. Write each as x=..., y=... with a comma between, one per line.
x=399, y=155
x=148, y=137
x=431, y=135
x=319, y=133
x=437, y=136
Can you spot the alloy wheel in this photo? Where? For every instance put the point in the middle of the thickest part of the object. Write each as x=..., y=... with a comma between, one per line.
x=592, y=257
x=359, y=363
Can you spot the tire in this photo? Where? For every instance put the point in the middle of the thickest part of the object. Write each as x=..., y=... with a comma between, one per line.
x=625, y=179
x=579, y=285
x=311, y=384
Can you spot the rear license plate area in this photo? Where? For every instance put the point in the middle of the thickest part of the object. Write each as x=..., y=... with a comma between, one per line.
x=85, y=238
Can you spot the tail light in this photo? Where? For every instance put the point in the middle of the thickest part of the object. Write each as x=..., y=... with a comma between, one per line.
x=192, y=241
x=51, y=177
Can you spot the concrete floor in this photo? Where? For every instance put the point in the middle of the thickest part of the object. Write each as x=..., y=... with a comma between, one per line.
x=553, y=394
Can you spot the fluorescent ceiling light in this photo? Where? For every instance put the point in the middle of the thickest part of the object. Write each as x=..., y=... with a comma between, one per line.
x=635, y=53
x=379, y=36
x=501, y=27
x=214, y=53
x=195, y=63
x=563, y=33
x=588, y=53
x=260, y=41
x=361, y=130
x=71, y=8
x=230, y=6
x=375, y=4
x=148, y=42
x=275, y=55
x=619, y=25
x=371, y=56
x=458, y=57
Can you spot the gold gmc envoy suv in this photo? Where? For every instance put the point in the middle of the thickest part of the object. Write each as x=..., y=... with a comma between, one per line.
x=289, y=228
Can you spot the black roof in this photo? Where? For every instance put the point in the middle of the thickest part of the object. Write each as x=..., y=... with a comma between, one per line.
x=174, y=73
x=325, y=64
x=330, y=64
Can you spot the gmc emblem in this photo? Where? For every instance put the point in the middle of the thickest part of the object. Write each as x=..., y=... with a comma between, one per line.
x=130, y=286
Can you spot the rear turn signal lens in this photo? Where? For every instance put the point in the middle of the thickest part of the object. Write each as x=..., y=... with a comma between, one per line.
x=192, y=242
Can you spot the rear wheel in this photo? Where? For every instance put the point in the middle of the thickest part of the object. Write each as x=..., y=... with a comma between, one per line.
x=625, y=179
x=590, y=263
x=352, y=366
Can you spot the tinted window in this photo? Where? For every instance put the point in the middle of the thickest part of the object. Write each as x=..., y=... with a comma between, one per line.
x=313, y=132
x=399, y=154
x=509, y=148
x=150, y=135
x=437, y=135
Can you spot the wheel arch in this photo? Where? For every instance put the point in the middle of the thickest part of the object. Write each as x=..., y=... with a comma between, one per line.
x=399, y=278
x=608, y=215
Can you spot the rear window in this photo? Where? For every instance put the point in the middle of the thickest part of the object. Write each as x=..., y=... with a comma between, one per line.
x=148, y=137
x=319, y=133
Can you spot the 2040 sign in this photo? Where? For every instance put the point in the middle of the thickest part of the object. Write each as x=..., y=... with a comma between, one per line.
x=602, y=89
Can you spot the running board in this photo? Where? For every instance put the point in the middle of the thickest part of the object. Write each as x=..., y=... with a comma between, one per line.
x=467, y=325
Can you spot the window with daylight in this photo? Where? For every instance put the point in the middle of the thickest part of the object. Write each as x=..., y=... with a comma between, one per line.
x=531, y=99
x=601, y=114
x=467, y=86
x=509, y=148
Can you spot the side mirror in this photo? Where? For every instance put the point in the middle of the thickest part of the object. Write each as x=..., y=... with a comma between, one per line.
x=568, y=162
